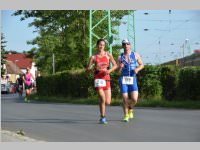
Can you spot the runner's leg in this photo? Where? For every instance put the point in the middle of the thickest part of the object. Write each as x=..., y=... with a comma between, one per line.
x=107, y=96
x=102, y=102
x=134, y=94
x=125, y=103
x=134, y=98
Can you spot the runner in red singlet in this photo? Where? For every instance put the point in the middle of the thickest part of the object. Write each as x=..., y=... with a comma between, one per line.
x=101, y=61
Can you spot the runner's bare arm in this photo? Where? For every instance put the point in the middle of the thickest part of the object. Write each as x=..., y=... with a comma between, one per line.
x=114, y=67
x=119, y=64
x=23, y=79
x=140, y=63
x=90, y=64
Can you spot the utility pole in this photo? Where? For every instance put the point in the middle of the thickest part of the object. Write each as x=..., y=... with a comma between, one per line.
x=90, y=50
x=16, y=69
x=183, y=59
x=53, y=64
x=187, y=46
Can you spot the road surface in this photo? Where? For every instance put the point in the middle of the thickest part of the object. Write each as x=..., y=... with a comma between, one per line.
x=79, y=123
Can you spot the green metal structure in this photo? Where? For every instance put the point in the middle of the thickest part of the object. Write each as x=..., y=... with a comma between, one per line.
x=98, y=21
x=131, y=28
x=129, y=23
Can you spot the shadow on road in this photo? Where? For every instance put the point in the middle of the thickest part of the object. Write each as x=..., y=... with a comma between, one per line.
x=67, y=121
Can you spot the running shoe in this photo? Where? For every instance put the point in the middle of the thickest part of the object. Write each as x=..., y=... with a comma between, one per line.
x=103, y=120
x=126, y=118
x=131, y=113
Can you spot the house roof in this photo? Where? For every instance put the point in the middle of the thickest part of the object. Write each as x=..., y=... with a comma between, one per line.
x=21, y=60
x=12, y=68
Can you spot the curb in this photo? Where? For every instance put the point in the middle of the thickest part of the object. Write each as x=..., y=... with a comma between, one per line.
x=8, y=136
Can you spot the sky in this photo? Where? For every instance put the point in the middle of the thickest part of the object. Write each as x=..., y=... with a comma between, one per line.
x=171, y=29
x=16, y=32
x=162, y=42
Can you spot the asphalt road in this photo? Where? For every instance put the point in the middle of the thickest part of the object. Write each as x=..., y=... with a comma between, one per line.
x=79, y=123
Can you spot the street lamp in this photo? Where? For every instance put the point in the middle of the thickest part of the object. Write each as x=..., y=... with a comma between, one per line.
x=187, y=46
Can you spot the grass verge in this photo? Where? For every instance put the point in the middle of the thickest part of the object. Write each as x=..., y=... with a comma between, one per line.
x=187, y=104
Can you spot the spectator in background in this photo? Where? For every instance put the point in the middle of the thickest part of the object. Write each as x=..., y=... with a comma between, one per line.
x=20, y=84
x=28, y=83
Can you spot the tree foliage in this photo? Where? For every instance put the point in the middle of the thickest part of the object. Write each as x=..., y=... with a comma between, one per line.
x=66, y=34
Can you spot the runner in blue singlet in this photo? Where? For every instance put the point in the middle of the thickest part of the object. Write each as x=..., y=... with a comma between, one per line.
x=127, y=64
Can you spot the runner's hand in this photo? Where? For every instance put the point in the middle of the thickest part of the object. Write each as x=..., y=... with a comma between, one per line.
x=98, y=68
x=136, y=71
x=107, y=72
x=87, y=71
x=121, y=65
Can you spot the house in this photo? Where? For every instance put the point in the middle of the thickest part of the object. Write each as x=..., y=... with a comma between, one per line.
x=12, y=71
x=22, y=61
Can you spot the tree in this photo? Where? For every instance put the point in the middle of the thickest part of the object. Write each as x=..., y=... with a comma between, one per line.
x=3, y=42
x=11, y=51
x=65, y=34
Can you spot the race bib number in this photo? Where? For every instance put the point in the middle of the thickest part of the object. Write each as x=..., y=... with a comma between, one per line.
x=99, y=83
x=127, y=80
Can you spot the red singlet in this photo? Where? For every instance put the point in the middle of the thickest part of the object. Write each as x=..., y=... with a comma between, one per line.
x=102, y=63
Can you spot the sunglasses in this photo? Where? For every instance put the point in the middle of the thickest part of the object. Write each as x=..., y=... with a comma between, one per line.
x=126, y=44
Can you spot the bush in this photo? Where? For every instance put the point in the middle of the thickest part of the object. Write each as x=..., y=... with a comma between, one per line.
x=169, y=81
x=148, y=83
x=189, y=83
x=154, y=82
x=64, y=84
x=115, y=85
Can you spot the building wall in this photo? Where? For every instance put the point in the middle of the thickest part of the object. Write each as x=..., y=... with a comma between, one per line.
x=12, y=78
x=33, y=70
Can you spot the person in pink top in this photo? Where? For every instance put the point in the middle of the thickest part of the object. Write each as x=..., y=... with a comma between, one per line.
x=28, y=83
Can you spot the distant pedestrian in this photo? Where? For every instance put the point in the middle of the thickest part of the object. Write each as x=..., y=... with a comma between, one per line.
x=28, y=84
x=20, y=84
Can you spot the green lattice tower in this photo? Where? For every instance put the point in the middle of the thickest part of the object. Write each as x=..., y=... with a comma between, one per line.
x=97, y=18
x=129, y=28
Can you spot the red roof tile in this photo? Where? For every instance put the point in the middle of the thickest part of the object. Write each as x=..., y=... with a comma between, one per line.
x=21, y=60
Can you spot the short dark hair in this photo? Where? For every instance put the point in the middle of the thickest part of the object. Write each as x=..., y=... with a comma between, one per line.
x=100, y=40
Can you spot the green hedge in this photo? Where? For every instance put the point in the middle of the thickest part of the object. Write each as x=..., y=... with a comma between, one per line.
x=149, y=84
x=169, y=81
x=189, y=83
x=154, y=82
x=64, y=84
